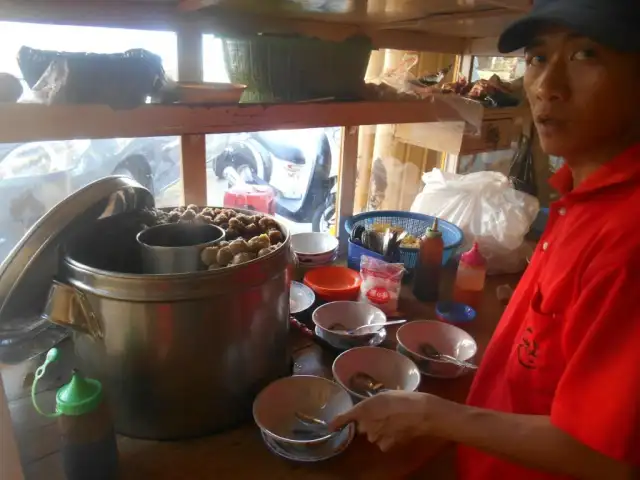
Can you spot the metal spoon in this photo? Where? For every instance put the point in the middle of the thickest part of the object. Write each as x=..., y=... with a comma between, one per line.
x=364, y=383
x=353, y=331
x=432, y=352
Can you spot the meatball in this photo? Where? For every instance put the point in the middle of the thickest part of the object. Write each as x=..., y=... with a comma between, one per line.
x=221, y=219
x=188, y=215
x=215, y=266
x=275, y=236
x=202, y=219
x=208, y=212
x=238, y=246
x=173, y=217
x=217, y=211
x=236, y=224
x=243, y=257
x=264, y=251
x=229, y=213
x=209, y=255
x=193, y=207
x=231, y=233
x=267, y=223
x=253, y=230
x=245, y=219
x=258, y=243
x=223, y=243
x=225, y=255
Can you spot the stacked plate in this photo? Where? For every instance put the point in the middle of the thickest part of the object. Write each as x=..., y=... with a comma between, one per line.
x=314, y=249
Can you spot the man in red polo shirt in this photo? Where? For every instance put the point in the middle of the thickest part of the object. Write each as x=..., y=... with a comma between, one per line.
x=558, y=392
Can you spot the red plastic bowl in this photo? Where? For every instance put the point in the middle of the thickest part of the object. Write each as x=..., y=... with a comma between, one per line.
x=334, y=283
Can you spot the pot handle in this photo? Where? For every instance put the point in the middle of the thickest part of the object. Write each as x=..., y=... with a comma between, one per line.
x=69, y=307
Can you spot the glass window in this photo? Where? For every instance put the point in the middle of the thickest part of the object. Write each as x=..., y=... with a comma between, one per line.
x=36, y=176
x=213, y=67
x=293, y=174
x=507, y=68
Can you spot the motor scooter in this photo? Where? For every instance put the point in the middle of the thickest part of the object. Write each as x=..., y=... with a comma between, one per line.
x=297, y=164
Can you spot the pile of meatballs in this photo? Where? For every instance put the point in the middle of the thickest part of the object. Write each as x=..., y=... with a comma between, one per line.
x=246, y=236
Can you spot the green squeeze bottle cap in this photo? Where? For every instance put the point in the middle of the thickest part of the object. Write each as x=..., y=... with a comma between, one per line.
x=432, y=231
x=80, y=396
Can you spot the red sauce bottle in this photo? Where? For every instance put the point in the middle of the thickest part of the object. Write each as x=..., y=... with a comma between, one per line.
x=427, y=281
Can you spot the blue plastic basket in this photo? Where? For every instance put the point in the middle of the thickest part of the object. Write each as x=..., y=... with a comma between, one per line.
x=415, y=224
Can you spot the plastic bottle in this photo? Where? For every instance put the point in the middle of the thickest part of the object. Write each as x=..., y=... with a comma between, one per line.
x=89, y=449
x=427, y=281
x=472, y=271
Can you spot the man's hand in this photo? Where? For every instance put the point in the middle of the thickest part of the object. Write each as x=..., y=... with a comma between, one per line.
x=391, y=418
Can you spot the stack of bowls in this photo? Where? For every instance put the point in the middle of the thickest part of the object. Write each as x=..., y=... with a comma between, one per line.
x=314, y=249
x=332, y=319
x=279, y=411
x=442, y=337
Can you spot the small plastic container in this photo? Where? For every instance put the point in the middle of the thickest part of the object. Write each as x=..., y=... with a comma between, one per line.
x=454, y=312
x=472, y=272
x=331, y=284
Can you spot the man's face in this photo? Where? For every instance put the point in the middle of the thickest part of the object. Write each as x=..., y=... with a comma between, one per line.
x=583, y=96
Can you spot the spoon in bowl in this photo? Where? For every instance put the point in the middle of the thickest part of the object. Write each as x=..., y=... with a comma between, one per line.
x=432, y=353
x=353, y=331
x=365, y=384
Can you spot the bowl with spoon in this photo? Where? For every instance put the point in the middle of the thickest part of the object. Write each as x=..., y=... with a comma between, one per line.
x=352, y=323
x=368, y=371
x=439, y=349
x=295, y=412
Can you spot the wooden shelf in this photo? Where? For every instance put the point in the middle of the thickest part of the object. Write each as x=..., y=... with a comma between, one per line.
x=28, y=122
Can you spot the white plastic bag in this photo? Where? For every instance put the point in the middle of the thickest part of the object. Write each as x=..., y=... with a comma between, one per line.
x=381, y=283
x=487, y=209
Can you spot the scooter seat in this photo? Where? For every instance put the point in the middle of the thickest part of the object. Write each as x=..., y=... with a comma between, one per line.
x=281, y=150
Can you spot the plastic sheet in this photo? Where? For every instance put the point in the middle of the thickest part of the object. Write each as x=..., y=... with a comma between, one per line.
x=448, y=107
x=487, y=209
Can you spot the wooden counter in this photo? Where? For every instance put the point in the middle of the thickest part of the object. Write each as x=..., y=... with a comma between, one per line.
x=240, y=453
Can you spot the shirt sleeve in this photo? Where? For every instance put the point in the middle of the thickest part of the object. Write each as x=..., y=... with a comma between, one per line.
x=598, y=397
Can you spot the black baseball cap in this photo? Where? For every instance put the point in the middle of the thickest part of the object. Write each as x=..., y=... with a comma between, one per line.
x=612, y=23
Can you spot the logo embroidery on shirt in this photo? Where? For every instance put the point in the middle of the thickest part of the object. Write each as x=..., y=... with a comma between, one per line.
x=528, y=350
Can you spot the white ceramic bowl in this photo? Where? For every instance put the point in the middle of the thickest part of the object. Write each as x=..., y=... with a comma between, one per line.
x=301, y=298
x=446, y=338
x=314, y=247
x=393, y=370
x=351, y=315
x=274, y=408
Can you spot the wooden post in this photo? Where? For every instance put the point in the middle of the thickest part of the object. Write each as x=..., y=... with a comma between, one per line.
x=347, y=188
x=193, y=164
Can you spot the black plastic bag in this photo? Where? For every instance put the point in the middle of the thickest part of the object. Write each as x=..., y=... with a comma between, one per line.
x=121, y=80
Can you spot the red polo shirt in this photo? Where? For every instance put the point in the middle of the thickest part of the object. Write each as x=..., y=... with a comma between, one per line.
x=568, y=344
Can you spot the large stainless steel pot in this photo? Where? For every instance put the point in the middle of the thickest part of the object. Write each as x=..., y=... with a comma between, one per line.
x=179, y=355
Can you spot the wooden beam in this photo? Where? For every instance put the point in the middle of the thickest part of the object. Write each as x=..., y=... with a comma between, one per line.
x=193, y=148
x=26, y=122
x=347, y=175
x=488, y=47
x=161, y=16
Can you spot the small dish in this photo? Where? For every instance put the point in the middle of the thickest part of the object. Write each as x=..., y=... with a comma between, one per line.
x=454, y=312
x=334, y=283
x=445, y=338
x=209, y=92
x=301, y=298
x=393, y=370
x=377, y=339
x=348, y=315
x=334, y=447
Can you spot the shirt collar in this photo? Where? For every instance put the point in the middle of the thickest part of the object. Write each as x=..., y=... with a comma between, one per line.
x=623, y=168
